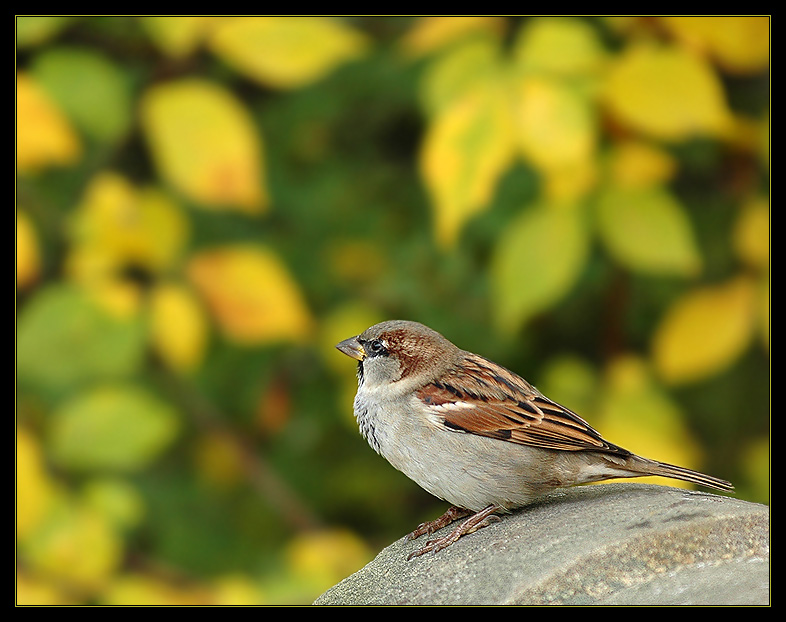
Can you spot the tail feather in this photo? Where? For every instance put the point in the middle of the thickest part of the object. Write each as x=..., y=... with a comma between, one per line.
x=640, y=467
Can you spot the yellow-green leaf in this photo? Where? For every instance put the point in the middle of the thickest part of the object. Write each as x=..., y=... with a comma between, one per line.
x=205, y=144
x=286, y=51
x=115, y=499
x=251, y=295
x=648, y=230
x=536, y=262
x=65, y=338
x=178, y=35
x=667, y=93
x=92, y=90
x=467, y=148
x=77, y=547
x=559, y=46
x=44, y=136
x=705, y=331
x=739, y=43
x=119, y=428
x=32, y=30
x=472, y=64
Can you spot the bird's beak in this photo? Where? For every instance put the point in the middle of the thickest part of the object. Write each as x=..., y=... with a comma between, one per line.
x=351, y=347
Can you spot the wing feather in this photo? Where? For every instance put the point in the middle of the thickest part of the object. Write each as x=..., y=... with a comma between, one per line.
x=480, y=397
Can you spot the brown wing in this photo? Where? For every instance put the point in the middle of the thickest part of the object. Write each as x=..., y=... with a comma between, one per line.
x=480, y=397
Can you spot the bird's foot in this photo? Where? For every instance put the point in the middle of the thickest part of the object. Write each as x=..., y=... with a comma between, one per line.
x=453, y=514
x=477, y=521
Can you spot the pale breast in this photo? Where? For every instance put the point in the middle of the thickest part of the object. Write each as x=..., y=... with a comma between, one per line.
x=464, y=469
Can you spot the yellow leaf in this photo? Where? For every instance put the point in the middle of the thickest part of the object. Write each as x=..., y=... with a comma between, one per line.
x=251, y=295
x=559, y=47
x=136, y=589
x=666, y=92
x=648, y=230
x=536, y=262
x=466, y=150
x=571, y=182
x=323, y=558
x=219, y=461
x=355, y=261
x=120, y=299
x=178, y=35
x=637, y=414
x=739, y=43
x=555, y=126
x=34, y=489
x=571, y=381
x=347, y=320
x=752, y=233
x=117, y=226
x=178, y=326
x=205, y=144
x=286, y=51
x=756, y=463
x=637, y=164
x=705, y=331
x=763, y=303
x=763, y=142
x=235, y=590
x=28, y=261
x=44, y=137
x=34, y=591
x=433, y=32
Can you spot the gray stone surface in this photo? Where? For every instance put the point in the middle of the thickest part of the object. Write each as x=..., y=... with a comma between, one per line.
x=613, y=544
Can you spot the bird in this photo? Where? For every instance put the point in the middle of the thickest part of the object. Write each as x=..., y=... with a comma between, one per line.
x=475, y=434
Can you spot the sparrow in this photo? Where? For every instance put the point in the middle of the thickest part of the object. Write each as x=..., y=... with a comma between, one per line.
x=475, y=434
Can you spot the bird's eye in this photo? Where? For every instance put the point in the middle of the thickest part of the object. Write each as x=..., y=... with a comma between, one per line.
x=376, y=346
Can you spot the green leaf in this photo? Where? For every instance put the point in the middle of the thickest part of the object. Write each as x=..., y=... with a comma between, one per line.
x=537, y=261
x=64, y=338
x=90, y=89
x=121, y=428
x=649, y=231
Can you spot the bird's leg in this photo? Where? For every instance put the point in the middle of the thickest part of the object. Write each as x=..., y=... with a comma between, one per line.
x=453, y=514
x=477, y=521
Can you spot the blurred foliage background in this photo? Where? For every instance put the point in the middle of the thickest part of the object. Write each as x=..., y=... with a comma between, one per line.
x=207, y=204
